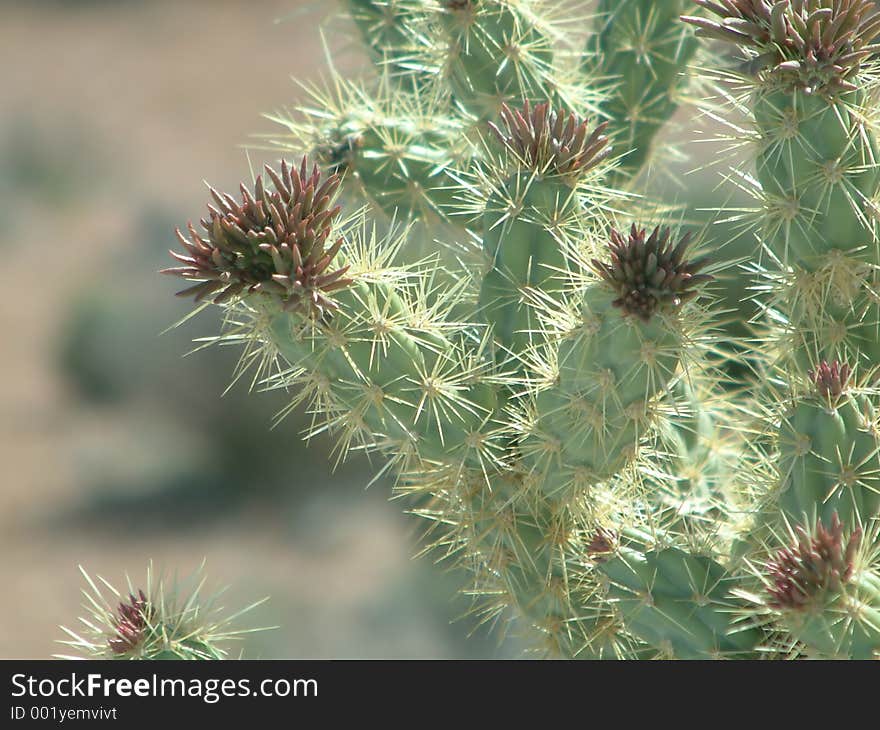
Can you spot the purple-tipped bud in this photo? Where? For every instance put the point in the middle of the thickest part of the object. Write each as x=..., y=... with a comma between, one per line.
x=131, y=624
x=802, y=573
x=649, y=273
x=274, y=242
x=831, y=380
x=601, y=545
x=818, y=44
x=550, y=141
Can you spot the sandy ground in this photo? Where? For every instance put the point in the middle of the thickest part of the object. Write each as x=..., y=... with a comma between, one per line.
x=142, y=101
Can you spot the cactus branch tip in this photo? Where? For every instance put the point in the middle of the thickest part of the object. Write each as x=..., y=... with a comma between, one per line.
x=650, y=273
x=273, y=242
x=814, y=564
x=552, y=141
x=813, y=44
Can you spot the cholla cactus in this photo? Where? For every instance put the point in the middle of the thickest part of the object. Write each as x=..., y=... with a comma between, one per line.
x=547, y=389
x=163, y=620
x=808, y=81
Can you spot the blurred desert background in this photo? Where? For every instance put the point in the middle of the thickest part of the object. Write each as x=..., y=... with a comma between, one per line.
x=115, y=450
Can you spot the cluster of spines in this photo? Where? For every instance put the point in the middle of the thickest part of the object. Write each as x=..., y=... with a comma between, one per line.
x=648, y=273
x=163, y=620
x=819, y=44
x=551, y=141
x=799, y=575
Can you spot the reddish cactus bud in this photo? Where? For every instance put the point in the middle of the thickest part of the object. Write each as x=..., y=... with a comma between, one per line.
x=817, y=563
x=831, y=381
x=817, y=43
x=601, y=544
x=650, y=274
x=552, y=142
x=131, y=624
x=274, y=242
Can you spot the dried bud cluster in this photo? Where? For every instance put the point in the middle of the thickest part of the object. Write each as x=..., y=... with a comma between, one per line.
x=552, y=142
x=601, y=545
x=649, y=274
x=817, y=44
x=272, y=242
x=831, y=381
x=131, y=624
x=816, y=564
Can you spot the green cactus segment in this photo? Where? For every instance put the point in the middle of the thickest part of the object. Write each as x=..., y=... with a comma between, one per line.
x=392, y=149
x=817, y=168
x=496, y=52
x=621, y=351
x=677, y=602
x=824, y=590
x=514, y=538
x=829, y=461
x=845, y=628
x=706, y=462
x=528, y=219
x=404, y=168
x=380, y=366
x=817, y=159
x=389, y=29
x=643, y=52
x=524, y=543
x=387, y=382
x=524, y=253
x=609, y=372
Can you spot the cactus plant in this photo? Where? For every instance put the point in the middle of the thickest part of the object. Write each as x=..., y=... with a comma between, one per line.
x=549, y=392
x=167, y=619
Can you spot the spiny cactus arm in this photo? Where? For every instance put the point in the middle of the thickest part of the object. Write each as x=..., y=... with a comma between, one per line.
x=390, y=29
x=809, y=84
x=620, y=347
x=533, y=213
x=392, y=144
x=522, y=549
x=372, y=352
x=828, y=451
x=385, y=381
x=642, y=52
x=496, y=52
x=166, y=619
